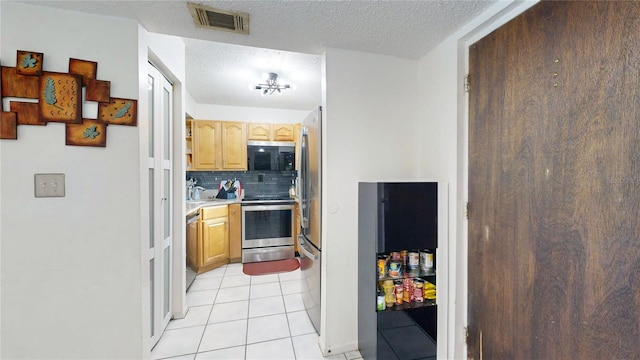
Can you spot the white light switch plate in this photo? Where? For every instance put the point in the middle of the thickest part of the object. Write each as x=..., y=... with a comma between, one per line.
x=49, y=185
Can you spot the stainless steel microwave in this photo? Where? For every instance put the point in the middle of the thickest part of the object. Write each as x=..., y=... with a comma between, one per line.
x=271, y=155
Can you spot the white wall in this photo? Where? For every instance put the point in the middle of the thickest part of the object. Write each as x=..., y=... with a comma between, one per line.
x=71, y=266
x=249, y=114
x=437, y=158
x=190, y=105
x=368, y=132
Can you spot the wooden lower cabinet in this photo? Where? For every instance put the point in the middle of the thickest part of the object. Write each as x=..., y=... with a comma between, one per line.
x=215, y=241
x=212, y=247
x=235, y=233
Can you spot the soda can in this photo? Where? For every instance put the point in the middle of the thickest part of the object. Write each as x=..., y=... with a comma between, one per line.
x=414, y=260
x=382, y=266
x=404, y=255
x=418, y=293
x=399, y=292
x=426, y=260
x=407, y=290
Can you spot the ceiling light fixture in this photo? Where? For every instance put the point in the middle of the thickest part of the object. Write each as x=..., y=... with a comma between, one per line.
x=271, y=85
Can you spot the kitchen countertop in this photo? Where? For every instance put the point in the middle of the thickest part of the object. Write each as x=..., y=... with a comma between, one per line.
x=192, y=206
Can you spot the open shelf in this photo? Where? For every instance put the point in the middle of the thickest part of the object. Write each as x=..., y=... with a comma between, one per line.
x=411, y=305
x=411, y=273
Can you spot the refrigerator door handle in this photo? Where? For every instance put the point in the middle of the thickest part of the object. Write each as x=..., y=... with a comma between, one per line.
x=302, y=246
x=305, y=180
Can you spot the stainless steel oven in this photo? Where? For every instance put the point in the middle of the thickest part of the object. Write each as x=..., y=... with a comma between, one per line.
x=267, y=230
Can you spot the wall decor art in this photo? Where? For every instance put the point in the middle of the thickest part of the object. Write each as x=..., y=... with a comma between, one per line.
x=8, y=125
x=60, y=97
x=119, y=111
x=97, y=90
x=16, y=85
x=88, y=69
x=29, y=63
x=27, y=113
x=90, y=132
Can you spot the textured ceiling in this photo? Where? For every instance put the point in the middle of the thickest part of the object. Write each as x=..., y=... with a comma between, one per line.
x=287, y=37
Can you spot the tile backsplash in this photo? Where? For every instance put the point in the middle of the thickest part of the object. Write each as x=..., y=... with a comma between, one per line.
x=273, y=182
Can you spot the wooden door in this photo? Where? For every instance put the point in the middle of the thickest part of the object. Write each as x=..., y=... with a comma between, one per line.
x=206, y=135
x=234, y=146
x=554, y=185
x=215, y=241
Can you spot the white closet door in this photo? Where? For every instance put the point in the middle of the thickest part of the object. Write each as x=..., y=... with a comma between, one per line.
x=160, y=162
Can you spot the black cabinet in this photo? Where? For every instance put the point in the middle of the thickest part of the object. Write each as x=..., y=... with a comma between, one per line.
x=394, y=218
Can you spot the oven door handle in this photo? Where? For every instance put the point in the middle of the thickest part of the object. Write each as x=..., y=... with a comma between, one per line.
x=302, y=246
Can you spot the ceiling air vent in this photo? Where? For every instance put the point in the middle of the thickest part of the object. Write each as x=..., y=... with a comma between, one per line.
x=211, y=18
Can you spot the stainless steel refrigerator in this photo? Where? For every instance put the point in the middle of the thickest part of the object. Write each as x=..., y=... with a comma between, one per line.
x=310, y=197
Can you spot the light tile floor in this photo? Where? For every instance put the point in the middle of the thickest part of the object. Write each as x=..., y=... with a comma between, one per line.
x=236, y=316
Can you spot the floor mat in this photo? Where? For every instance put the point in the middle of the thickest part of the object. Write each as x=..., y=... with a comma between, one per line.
x=270, y=267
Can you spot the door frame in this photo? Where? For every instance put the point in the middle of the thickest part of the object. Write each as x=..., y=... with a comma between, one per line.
x=159, y=164
x=481, y=27
x=178, y=294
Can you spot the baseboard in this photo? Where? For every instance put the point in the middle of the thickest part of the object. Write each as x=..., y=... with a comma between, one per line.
x=335, y=350
x=181, y=315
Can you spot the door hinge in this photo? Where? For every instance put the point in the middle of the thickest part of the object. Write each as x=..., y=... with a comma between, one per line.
x=466, y=210
x=467, y=87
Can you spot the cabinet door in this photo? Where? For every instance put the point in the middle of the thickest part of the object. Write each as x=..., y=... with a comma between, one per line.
x=215, y=241
x=283, y=132
x=259, y=132
x=206, y=138
x=235, y=232
x=234, y=146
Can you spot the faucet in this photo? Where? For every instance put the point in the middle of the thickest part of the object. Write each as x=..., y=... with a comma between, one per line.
x=196, y=192
x=190, y=184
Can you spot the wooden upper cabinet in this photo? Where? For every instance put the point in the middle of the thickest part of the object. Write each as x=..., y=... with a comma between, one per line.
x=271, y=132
x=219, y=145
x=283, y=132
x=206, y=144
x=234, y=146
x=259, y=132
